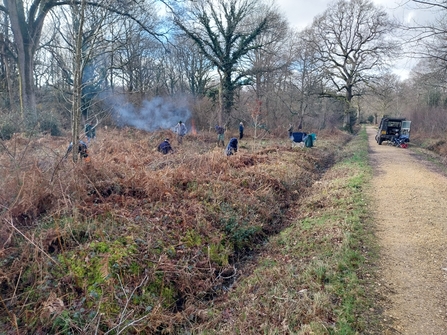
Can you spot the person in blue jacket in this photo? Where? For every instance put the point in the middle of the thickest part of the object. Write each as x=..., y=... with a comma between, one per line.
x=165, y=147
x=241, y=130
x=231, y=147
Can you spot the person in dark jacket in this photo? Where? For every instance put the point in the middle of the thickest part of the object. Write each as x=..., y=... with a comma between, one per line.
x=220, y=135
x=165, y=147
x=82, y=150
x=241, y=130
x=90, y=131
x=231, y=147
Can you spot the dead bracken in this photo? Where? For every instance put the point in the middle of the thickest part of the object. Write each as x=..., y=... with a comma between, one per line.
x=137, y=235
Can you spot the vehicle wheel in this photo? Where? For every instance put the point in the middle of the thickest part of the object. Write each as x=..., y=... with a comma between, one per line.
x=379, y=141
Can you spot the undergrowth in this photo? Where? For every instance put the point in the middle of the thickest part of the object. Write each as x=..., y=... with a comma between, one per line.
x=138, y=242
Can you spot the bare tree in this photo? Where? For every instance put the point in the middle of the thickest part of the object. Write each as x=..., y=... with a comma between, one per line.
x=266, y=64
x=193, y=68
x=428, y=40
x=431, y=3
x=134, y=57
x=306, y=80
x=78, y=69
x=225, y=32
x=27, y=20
x=352, y=41
x=382, y=97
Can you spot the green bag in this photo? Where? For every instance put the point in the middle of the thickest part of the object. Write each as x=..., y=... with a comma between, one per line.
x=309, y=141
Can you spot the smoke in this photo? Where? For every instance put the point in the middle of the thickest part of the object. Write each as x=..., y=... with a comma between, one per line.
x=153, y=115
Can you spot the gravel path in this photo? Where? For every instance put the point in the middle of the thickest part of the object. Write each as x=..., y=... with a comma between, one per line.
x=410, y=209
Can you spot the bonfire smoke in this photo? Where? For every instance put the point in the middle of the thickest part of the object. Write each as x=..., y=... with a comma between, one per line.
x=155, y=114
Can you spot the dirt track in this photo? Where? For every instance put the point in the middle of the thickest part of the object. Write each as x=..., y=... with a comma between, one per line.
x=410, y=209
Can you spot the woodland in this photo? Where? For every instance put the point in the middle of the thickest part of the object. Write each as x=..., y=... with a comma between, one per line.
x=136, y=242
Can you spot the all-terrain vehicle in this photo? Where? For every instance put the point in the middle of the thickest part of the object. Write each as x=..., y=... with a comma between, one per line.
x=398, y=142
x=390, y=128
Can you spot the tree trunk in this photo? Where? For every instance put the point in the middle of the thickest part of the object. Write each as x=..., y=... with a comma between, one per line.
x=348, y=110
x=27, y=85
x=25, y=44
x=221, y=103
x=6, y=62
x=6, y=66
x=227, y=94
x=78, y=17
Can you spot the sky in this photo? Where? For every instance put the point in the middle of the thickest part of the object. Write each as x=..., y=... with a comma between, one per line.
x=300, y=14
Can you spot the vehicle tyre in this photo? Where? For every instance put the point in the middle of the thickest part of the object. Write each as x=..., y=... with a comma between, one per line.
x=379, y=141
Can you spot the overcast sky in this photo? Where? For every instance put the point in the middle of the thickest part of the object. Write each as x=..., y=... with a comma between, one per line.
x=300, y=14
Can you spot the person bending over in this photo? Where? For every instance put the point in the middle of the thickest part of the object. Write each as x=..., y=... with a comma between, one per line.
x=165, y=147
x=231, y=147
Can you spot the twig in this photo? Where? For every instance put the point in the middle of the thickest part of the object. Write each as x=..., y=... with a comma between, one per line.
x=34, y=244
x=7, y=150
x=93, y=185
x=209, y=259
x=132, y=323
x=17, y=284
x=93, y=319
x=98, y=324
x=11, y=315
x=18, y=194
x=58, y=163
x=123, y=315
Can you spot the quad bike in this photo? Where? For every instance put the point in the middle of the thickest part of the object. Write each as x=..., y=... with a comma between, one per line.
x=398, y=142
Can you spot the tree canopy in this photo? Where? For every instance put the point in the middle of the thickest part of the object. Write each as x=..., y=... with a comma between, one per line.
x=225, y=32
x=352, y=42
